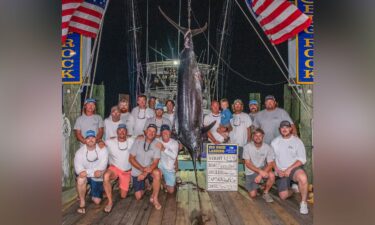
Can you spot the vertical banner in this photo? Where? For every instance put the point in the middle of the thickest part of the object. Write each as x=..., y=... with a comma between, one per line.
x=71, y=59
x=305, y=46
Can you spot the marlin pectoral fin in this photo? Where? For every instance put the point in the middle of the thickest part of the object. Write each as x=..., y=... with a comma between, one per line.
x=207, y=128
x=181, y=29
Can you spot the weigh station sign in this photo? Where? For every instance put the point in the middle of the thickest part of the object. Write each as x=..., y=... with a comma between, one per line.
x=222, y=167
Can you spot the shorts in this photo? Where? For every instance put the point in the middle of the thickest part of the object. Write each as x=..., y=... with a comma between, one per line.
x=140, y=185
x=169, y=177
x=96, y=188
x=123, y=177
x=284, y=183
x=250, y=182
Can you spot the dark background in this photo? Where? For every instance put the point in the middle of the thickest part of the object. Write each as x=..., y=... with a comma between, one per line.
x=248, y=55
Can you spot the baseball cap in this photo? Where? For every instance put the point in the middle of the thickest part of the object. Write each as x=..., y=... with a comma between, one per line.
x=88, y=100
x=164, y=127
x=285, y=123
x=121, y=125
x=253, y=102
x=152, y=125
x=159, y=106
x=90, y=133
x=269, y=97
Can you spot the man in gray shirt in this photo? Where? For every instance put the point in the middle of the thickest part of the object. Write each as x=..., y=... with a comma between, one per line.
x=256, y=154
x=144, y=158
x=269, y=119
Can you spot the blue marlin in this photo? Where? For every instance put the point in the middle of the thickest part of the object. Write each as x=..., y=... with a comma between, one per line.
x=189, y=94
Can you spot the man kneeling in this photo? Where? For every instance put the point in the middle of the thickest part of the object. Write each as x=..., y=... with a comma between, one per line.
x=144, y=158
x=255, y=155
x=119, y=166
x=169, y=152
x=90, y=161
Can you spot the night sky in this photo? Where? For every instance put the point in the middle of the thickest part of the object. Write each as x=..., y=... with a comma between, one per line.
x=248, y=55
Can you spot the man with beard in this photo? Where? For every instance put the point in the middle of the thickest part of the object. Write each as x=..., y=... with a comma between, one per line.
x=213, y=134
x=269, y=119
x=126, y=116
x=90, y=162
x=144, y=158
x=141, y=113
x=254, y=108
x=259, y=160
x=119, y=166
x=158, y=119
x=152, y=102
x=290, y=156
x=89, y=121
x=111, y=123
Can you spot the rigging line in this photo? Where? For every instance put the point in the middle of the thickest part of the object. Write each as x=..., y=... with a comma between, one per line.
x=160, y=53
x=88, y=70
x=234, y=71
x=252, y=25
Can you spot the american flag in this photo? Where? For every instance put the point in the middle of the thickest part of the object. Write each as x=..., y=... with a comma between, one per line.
x=279, y=19
x=82, y=16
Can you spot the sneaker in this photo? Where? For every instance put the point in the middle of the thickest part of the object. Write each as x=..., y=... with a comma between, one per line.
x=267, y=197
x=295, y=188
x=303, y=208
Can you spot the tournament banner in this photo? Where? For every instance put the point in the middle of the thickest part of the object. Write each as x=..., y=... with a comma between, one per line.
x=305, y=46
x=71, y=59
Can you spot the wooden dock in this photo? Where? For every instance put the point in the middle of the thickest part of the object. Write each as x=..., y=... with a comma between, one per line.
x=183, y=208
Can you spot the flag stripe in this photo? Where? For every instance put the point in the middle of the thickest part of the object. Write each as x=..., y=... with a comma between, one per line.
x=87, y=17
x=273, y=11
x=294, y=32
x=264, y=6
x=281, y=24
x=85, y=22
x=83, y=31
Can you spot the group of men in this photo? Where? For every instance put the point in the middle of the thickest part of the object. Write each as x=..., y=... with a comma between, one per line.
x=134, y=147
x=137, y=147
x=268, y=144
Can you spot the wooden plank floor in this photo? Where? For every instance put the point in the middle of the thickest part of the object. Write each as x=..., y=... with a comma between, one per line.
x=191, y=206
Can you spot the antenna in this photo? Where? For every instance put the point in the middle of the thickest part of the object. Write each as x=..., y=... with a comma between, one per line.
x=189, y=11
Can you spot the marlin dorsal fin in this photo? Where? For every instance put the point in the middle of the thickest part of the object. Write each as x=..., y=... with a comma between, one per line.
x=207, y=128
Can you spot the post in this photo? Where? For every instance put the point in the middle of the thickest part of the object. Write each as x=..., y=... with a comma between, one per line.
x=98, y=94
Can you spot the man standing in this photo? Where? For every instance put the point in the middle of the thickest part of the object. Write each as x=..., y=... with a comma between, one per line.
x=254, y=108
x=144, y=158
x=141, y=113
x=119, y=166
x=89, y=121
x=126, y=116
x=90, y=161
x=256, y=154
x=241, y=122
x=152, y=102
x=270, y=118
x=111, y=123
x=170, y=114
x=158, y=119
x=169, y=152
x=290, y=156
x=213, y=134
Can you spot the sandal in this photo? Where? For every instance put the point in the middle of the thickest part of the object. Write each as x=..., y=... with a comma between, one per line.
x=108, y=208
x=81, y=210
x=157, y=206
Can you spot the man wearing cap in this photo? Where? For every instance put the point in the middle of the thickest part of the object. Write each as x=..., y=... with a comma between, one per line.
x=169, y=152
x=90, y=162
x=253, y=107
x=259, y=160
x=290, y=156
x=144, y=158
x=213, y=134
x=241, y=122
x=269, y=119
x=126, y=116
x=152, y=102
x=158, y=119
x=119, y=166
x=111, y=123
x=141, y=113
x=89, y=121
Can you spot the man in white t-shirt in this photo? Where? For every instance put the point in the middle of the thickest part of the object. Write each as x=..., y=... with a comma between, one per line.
x=213, y=134
x=259, y=160
x=290, y=156
x=141, y=113
x=169, y=153
x=90, y=162
x=89, y=121
x=170, y=114
x=111, y=123
x=126, y=116
x=269, y=119
x=241, y=122
x=158, y=119
x=119, y=166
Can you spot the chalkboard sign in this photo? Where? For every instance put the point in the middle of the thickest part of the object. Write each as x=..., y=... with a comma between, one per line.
x=222, y=167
